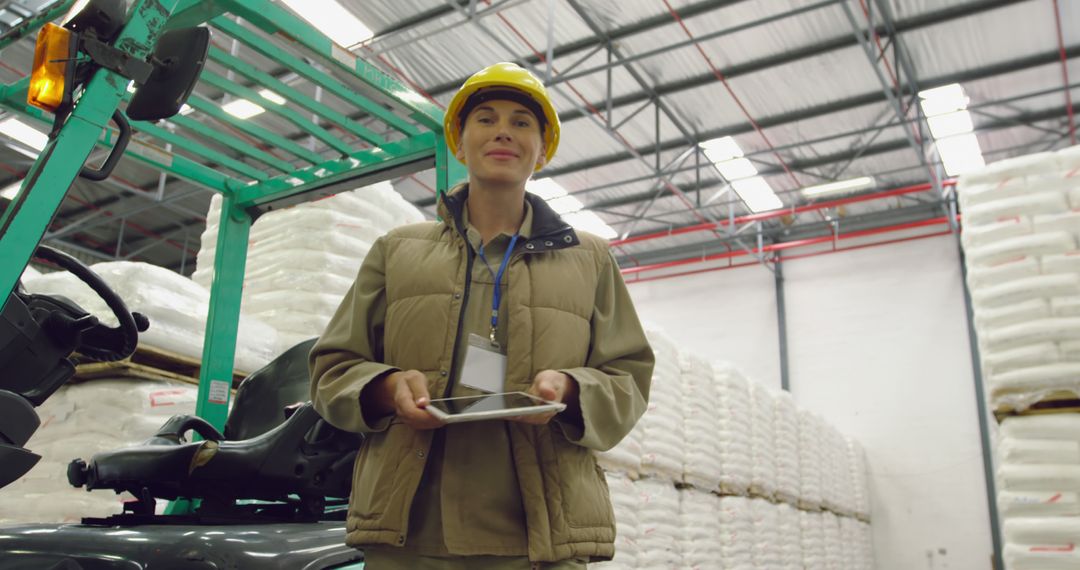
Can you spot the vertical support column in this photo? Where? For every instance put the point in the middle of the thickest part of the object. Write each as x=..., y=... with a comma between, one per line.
x=222, y=322
x=981, y=404
x=448, y=171
x=781, y=324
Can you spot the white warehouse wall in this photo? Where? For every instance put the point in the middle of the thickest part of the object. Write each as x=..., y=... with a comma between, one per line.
x=878, y=345
x=727, y=315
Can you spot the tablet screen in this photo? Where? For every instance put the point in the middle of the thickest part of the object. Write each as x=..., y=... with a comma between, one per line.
x=487, y=403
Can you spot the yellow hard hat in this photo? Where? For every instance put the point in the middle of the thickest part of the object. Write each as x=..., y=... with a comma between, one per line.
x=508, y=77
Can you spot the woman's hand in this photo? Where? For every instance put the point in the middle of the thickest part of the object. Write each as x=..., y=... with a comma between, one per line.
x=553, y=386
x=405, y=394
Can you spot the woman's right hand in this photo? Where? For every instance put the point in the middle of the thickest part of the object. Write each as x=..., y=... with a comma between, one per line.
x=408, y=396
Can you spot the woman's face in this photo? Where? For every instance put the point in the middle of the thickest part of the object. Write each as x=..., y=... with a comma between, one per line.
x=501, y=143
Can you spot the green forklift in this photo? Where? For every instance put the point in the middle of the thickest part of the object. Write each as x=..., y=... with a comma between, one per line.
x=262, y=486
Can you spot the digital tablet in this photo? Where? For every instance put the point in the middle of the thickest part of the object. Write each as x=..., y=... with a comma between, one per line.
x=490, y=407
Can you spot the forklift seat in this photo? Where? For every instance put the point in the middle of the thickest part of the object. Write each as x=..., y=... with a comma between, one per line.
x=275, y=446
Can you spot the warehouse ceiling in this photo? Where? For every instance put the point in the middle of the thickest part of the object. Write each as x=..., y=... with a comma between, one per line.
x=810, y=92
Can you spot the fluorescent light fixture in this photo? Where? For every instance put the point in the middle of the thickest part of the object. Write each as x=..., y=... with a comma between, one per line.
x=851, y=185
x=565, y=204
x=332, y=19
x=546, y=188
x=721, y=149
x=736, y=168
x=11, y=190
x=949, y=124
x=942, y=100
x=960, y=154
x=757, y=194
x=242, y=108
x=273, y=97
x=588, y=221
x=24, y=133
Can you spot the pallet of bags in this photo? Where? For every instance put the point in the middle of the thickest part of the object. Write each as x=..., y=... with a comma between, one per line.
x=625, y=501
x=1039, y=490
x=1021, y=239
x=733, y=433
x=812, y=540
x=301, y=260
x=736, y=533
x=701, y=463
x=176, y=307
x=763, y=474
x=811, y=463
x=700, y=529
x=78, y=421
x=786, y=436
x=663, y=444
x=658, y=524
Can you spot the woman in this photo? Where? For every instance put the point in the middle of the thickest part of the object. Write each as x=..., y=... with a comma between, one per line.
x=501, y=273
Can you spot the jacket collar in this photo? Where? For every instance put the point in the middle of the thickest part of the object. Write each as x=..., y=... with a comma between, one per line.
x=549, y=230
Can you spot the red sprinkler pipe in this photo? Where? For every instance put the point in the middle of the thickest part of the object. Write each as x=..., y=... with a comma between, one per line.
x=789, y=245
x=783, y=212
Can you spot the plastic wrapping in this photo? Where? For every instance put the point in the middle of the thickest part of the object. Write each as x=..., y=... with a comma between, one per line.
x=1019, y=386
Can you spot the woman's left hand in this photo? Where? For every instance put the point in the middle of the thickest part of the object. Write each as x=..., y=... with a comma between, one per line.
x=553, y=386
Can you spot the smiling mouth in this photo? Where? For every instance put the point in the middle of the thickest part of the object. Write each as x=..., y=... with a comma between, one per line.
x=502, y=154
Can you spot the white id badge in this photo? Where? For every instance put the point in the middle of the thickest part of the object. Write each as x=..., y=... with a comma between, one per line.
x=485, y=365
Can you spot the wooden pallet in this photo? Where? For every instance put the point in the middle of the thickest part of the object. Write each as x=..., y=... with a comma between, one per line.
x=1062, y=402
x=149, y=363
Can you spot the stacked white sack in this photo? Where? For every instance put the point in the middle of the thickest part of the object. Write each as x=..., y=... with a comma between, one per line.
x=866, y=545
x=733, y=431
x=301, y=260
x=790, y=547
x=762, y=441
x=765, y=551
x=663, y=439
x=658, y=524
x=1039, y=496
x=625, y=457
x=625, y=500
x=834, y=547
x=786, y=425
x=851, y=543
x=78, y=421
x=736, y=534
x=811, y=466
x=701, y=466
x=836, y=494
x=1021, y=235
x=176, y=307
x=860, y=479
x=699, y=542
x=1042, y=543
x=812, y=540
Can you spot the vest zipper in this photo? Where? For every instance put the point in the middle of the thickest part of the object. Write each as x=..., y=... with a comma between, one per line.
x=469, y=257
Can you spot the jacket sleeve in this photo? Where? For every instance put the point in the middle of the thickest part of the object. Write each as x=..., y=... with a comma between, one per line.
x=348, y=355
x=613, y=386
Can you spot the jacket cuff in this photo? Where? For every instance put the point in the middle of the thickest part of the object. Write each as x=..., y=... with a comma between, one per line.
x=380, y=424
x=574, y=428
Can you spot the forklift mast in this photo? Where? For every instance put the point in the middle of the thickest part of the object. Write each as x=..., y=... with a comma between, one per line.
x=414, y=142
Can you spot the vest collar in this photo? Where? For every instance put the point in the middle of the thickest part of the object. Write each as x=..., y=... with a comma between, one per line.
x=549, y=230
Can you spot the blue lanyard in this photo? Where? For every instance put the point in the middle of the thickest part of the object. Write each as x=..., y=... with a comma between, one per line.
x=498, y=279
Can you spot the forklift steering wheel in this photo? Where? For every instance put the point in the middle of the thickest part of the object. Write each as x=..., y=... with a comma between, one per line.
x=100, y=342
